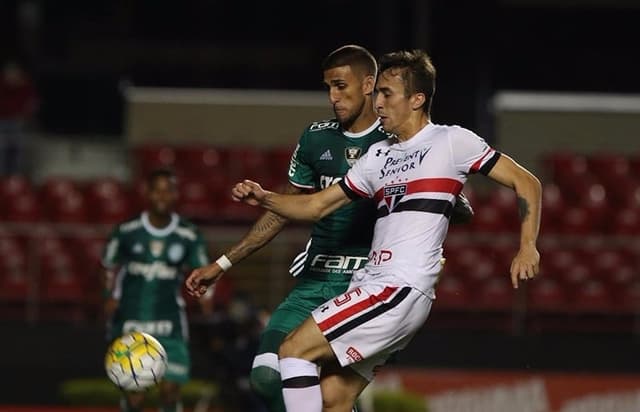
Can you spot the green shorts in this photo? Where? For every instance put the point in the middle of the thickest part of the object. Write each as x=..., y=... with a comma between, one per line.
x=308, y=294
x=178, y=360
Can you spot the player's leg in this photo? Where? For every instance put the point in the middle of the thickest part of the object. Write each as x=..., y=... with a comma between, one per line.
x=177, y=374
x=132, y=402
x=306, y=296
x=300, y=354
x=340, y=387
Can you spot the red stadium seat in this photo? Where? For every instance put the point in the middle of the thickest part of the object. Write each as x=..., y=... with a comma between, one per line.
x=503, y=199
x=592, y=296
x=626, y=222
x=629, y=298
x=69, y=209
x=23, y=208
x=488, y=219
x=553, y=206
x=112, y=211
x=148, y=157
x=106, y=188
x=625, y=192
x=248, y=162
x=576, y=221
x=576, y=274
x=200, y=160
x=566, y=167
x=495, y=294
x=481, y=271
x=196, y=200
x=14, y=185
x=546, y=295
x=58, y=187
x=451, y=293
x=609, y=167
x=279, y=159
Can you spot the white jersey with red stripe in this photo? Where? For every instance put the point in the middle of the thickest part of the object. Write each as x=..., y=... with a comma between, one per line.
x=414, y=184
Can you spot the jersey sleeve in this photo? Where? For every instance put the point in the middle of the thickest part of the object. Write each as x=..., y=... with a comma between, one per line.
x=198, y=255
x=471, y=153
x=112, y=253
x=356, y=184
x=301, y=172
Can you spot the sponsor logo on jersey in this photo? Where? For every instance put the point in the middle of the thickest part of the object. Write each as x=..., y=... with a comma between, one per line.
x=352, y=154
x=380, y=256
x=393, y=194
x=395, y=166
x=156, y=328
x=175, y=252
x=156, y=247
x=326, y=155
x=293, y=164
x=151, y=271
x=326, y=181
x=317, y=126
x=337, y=263
x=353, y=354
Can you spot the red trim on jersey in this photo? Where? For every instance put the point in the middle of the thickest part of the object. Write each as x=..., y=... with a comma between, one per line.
x=441, y=184
x=355, y=189
x=355, y=308
x=478, y=164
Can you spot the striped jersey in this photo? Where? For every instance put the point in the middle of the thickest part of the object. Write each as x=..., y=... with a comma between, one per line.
x=414, y=185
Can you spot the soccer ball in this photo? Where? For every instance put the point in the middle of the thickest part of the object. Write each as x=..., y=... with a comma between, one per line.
x=135, y=361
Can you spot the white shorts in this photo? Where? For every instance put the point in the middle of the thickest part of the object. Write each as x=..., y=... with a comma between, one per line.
x=368, y=323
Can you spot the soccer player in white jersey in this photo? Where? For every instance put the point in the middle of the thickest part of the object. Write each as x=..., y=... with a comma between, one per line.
x=413, y=180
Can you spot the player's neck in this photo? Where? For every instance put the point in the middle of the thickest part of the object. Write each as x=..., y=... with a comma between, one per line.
x=159, y=220
x=411, y=127
x=362, y=122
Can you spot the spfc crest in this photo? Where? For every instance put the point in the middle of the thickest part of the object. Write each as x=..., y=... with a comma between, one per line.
x=393, y=194
x=156, y=247
x=352, y=154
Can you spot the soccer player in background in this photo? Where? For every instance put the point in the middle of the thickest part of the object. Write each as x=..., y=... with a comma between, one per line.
x=414, y=179
x=340, y=241
x=145, y=259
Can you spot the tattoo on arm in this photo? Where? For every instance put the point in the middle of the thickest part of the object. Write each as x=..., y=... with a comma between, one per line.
x=523, y=208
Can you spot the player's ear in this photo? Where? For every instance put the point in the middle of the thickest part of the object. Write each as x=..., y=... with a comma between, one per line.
x=418, y=100
x=368, y=84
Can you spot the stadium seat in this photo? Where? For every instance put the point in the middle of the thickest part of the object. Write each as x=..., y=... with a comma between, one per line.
x=112, y=211
x=483, y=269
x=105, y=188
x=609, y=167
x=626, y=222
x=195, y=200
x=58, y=187
x=69, y=209
x=625, y=192
x=24, y=208
x=553, y=206
x=200, y=160
x=546, y=295
x=503, y=199
x=576, y=274
x=629, y=298
x=488, y=219
x=247, y=162
x=14, y=185
x=495, y=294
x=592, y=296
x=148, y=157
x=279, y=159
x=451, y=293
x=576, y=221
x=565, y=167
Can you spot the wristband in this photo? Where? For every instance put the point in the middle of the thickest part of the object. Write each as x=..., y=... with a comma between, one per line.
x=224, y=263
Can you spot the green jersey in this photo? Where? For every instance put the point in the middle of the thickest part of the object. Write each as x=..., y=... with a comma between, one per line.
x=339, y=242
x=151, y=264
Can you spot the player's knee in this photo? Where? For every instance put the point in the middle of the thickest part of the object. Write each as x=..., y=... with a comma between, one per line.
x=288, y=349
x=265, y=382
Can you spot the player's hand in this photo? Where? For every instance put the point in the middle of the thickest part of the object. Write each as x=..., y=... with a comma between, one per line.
x=200, y=279
x=249, y=192
x=525, y=265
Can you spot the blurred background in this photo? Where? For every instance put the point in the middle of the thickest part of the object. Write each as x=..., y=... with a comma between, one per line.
x=95, y=94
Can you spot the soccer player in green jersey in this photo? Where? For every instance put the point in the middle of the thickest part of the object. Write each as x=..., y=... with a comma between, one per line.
x=145, y=259
x=340, y=242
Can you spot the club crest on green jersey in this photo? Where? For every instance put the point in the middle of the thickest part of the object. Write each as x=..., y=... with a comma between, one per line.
x=156, y=247
x=352, y=153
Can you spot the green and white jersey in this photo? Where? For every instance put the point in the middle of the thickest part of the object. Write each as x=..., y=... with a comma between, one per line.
x=339, y=242
x=152, y=263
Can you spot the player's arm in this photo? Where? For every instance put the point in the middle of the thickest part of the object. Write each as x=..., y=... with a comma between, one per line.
x=529, y=195
x=308, y=207
x=261, y=233
x=111, y=260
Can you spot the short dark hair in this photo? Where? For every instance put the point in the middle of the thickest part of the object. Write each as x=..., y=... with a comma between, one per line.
x=351, y=55
x=160, y=173
x=418, y=72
